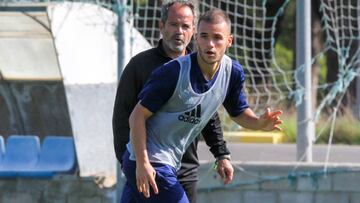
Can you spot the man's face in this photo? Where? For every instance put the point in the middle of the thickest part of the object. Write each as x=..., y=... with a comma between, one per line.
x=212, y=40
x=178, y=28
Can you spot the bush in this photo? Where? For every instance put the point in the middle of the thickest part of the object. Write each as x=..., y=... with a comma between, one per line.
x=289, y=127
x=346, y=130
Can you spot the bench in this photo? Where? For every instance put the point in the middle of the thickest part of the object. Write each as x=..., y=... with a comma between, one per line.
x=254, y=137
x=24, y=156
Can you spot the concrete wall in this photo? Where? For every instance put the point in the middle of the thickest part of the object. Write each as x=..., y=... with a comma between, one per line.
x=283, y=183
x=65, y=189
x=253, y=183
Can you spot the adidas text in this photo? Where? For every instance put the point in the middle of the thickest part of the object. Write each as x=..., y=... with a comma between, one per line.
x=189, y=119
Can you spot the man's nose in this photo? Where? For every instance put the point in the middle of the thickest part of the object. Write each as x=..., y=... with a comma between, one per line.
x=211, y=43
x=179, y=30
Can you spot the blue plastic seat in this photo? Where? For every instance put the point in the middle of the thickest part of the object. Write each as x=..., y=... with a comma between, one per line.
x=2, y=148
x=57, y=155
x=21, y=152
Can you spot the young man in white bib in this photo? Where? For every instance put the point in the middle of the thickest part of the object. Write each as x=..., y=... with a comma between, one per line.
x=175, y=105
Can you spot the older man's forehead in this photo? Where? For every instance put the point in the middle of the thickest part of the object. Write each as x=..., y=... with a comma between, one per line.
x=180, y=10
x=181, y=15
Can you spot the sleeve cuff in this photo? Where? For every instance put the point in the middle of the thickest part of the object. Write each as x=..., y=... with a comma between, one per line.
x=225, y=156
x=219, y=149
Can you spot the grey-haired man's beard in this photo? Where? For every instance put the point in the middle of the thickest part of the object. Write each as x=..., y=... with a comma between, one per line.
x=177, y=48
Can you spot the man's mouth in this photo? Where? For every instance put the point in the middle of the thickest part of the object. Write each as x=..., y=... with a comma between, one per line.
x=179, y=41
x=211, y=53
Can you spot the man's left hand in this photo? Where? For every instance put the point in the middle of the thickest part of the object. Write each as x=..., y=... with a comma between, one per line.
x=225, y=170
x=270, y=120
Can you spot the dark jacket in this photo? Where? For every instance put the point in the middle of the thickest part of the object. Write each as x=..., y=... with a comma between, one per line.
x=133, y=78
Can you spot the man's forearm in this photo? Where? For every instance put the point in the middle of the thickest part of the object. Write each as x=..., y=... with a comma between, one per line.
x=268, y=121
x=138, y=134
x=247, y=119
x=138, y=140
x=213, y=136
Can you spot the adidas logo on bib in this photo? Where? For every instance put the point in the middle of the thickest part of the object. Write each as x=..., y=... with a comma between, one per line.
x=193, y=116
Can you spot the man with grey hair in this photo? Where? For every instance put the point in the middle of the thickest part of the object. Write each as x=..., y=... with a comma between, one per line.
x=177, y=27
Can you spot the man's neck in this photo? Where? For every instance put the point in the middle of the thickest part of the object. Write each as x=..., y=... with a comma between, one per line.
x=207, y=69
x=171, y=53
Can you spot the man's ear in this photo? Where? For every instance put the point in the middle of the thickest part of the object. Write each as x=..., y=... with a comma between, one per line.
x=230, y=41
x=161, y=25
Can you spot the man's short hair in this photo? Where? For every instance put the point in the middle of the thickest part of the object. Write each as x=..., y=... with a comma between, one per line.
x=214, y=16
x=165, y=8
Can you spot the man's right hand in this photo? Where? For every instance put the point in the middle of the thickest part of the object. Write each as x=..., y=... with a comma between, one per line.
x=145, y=176
x=225, y=170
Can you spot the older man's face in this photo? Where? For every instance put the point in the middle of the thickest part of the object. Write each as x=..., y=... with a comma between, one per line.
x=178, y=28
